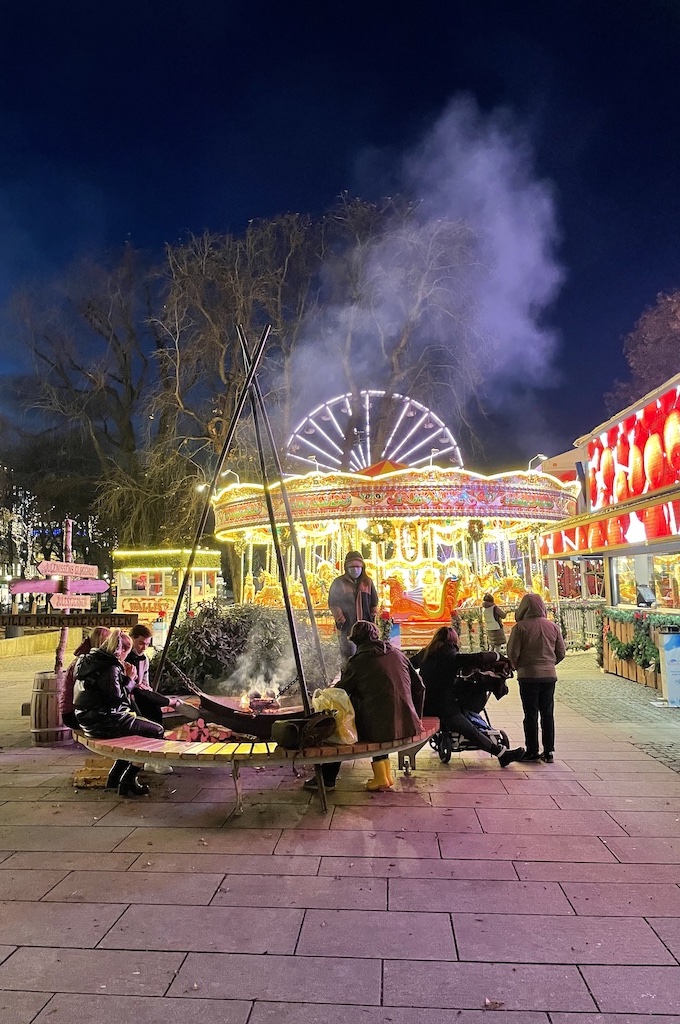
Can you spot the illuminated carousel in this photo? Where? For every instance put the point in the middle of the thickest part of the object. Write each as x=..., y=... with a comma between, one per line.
x=434, y=536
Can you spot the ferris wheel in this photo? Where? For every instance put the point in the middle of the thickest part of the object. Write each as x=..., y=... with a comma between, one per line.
x=340, y=434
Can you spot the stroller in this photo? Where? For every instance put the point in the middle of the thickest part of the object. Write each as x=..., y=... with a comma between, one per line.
x=473, y=686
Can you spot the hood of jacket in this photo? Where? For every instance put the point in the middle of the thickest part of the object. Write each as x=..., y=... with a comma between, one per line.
x=374, y=649
x=531, y=607
x=94, y=662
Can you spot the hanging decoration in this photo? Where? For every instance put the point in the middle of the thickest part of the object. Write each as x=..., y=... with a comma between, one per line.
x=476, y=529
x=380, y=531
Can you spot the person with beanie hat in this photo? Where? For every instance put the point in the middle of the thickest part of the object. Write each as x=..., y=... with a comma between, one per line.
x=352, y=598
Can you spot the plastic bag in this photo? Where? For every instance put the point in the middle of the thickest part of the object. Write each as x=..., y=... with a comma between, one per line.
x=337, y=700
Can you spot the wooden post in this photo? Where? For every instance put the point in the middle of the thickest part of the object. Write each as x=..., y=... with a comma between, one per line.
x=63, y=635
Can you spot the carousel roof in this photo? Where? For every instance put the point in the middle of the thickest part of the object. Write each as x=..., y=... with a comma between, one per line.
x=387, y=490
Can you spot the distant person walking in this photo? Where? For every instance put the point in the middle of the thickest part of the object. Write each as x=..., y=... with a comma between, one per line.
x=352, y=597
x=535, y=648
x=493, y=623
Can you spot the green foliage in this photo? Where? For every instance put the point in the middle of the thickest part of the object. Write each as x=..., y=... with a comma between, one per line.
x=242, y=646
x=641, y=648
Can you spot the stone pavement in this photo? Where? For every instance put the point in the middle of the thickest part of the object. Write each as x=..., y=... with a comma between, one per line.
x=536, y=893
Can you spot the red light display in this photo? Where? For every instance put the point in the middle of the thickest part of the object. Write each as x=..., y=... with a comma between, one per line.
x=638, y=456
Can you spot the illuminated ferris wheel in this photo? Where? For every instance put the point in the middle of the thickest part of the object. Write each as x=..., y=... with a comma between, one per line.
x=341, y=434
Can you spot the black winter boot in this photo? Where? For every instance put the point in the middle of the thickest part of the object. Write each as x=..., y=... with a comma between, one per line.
x=130, y=784
x=116, y=774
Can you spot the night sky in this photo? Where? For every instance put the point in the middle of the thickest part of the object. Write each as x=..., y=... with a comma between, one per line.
x=143, y=121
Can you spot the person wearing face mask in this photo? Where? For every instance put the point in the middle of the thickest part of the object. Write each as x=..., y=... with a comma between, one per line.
x=351, y=598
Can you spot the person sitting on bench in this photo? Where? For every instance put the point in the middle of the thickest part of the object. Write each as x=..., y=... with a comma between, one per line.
x=105, y=708
x=387, y=695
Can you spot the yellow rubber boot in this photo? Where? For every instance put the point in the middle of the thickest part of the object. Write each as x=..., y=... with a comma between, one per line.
x=380, y=781
x=390, y=776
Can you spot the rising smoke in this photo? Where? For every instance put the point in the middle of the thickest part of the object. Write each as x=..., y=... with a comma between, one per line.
x=470, y=275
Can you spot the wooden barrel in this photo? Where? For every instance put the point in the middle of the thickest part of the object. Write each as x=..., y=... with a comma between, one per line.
x=46, y=724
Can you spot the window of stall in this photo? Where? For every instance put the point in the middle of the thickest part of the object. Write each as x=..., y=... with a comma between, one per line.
x=624, y=587
x=667, y=580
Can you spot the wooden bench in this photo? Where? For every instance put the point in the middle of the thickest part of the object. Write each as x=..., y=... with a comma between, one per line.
x=182, y=753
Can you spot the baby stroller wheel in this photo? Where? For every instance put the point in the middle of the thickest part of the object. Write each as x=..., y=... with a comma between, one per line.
x=445, y=748
x=505, y=740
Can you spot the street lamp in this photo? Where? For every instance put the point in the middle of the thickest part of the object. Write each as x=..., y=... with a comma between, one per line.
x=539, y=456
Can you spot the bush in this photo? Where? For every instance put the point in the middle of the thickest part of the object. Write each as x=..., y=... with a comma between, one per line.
x=244, y=647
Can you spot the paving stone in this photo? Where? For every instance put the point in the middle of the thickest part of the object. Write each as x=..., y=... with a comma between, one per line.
x=90, y=970
x=549, y=939
x=618, y=803
x=136, y=887
x=290, y=816
x=20, y=780
x=500, y=801
x=145, y=813
x=518, y=847
x=191, y=840
x=209, y=794
x=628, y=873
x=21, y=1007
x=645, y=850
x=668, y=928
x=408, y=819
x=51, y=813
x=81, y=1009
x=562, y=823
x=401, y=798
x=635, y=785
x=209, y=929
x=461, y=784
x=635, y=989
x=68, y=861
x=463, y=895
x=403, y=867
x=635, y=766
x=6, y=951
x=649, y=823
x=369, y=933
x=58, y=838
x=226, y=863
x=301, y=1013
x=28, y=885
x=279, y=978
x=529, y=787
x=56, y=924
x=359, y=844
x=615, y=900
x=334, y=892
x=21, y=793
x=467, y=986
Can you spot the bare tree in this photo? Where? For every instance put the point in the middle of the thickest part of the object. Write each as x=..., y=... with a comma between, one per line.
x=652, y=351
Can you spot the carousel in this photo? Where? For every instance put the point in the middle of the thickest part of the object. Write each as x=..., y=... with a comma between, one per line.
x=434, y=537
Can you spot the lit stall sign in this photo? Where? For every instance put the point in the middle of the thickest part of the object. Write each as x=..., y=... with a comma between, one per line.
x=651, y=524
x=637, y=456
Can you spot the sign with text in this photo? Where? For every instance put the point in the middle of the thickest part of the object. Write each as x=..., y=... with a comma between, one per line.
x=83, y=619
x=75, y=569
x=70, y=601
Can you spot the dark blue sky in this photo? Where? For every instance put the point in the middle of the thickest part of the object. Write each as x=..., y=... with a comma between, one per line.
x=144, y=120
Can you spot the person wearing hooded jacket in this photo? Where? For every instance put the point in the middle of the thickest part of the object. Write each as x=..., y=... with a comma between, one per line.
x=451, y=689
x=387, y=696
x=352, y=597
x=105, y=709
x=535, y=648
x=66, y=708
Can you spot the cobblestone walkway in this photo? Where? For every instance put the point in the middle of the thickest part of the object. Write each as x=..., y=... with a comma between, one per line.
x=539, y=894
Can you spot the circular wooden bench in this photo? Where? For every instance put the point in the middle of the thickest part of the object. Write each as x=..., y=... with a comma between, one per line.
x=236, y=755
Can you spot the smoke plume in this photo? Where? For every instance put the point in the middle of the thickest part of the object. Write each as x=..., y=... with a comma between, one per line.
x=466, y=280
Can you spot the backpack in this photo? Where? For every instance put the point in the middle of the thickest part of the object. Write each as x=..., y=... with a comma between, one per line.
x=302, y=733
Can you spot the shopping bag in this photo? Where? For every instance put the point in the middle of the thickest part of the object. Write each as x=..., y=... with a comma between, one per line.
x=336, y=700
